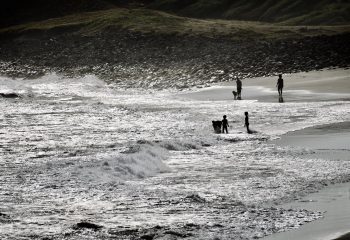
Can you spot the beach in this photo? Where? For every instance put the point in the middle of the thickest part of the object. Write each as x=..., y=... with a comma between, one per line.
x=175, y=120
x=326, y=85
x=328, y=142
x=80, y=152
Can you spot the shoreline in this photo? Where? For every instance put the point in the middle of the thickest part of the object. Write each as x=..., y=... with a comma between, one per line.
x=232, y=194
x=333, y=225
x=325, y=141
x=321, y=85
x=334, y=199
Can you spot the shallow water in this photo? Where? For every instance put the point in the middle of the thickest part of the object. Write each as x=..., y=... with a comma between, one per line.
x=141, y=162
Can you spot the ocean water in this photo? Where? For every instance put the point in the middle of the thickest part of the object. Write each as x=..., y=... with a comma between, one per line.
x=145, y=163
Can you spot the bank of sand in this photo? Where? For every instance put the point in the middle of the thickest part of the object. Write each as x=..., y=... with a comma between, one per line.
x=325, y=85
x=328, y=141
x=332, y=143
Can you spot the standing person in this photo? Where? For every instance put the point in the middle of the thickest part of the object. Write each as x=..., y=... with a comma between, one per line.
x=239, y=88
x=224, y=124
x=246, y=122
x=279, y=85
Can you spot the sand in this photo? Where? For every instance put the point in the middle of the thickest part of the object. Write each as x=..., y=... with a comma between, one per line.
x=325, y=85
x=330, y=142
x=344, y=237
x=334, y=201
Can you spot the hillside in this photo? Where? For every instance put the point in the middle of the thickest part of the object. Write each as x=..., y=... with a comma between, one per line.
x=158, y=49
x=293, y=12
x=156, y=22
x=13, y=12
x=290, y=12
x=127, y=42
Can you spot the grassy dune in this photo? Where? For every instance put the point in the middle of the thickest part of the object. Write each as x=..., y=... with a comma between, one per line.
x=293, y=12
x=156, y=22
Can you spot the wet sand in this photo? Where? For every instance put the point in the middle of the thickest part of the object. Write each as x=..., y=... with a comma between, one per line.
x=335, y=202
x=330, y=142
x=344, y=237
x=325, y=85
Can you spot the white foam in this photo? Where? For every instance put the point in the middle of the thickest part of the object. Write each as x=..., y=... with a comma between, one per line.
x=147, y=160
x=56, y=85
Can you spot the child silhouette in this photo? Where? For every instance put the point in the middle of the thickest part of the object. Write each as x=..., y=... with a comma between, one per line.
x=224, y=124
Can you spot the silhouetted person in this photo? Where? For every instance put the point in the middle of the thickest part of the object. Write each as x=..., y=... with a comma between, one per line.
x=239, y=88
x=279, y=85
x=246, y=122
x=217, y=126
x=224, y=124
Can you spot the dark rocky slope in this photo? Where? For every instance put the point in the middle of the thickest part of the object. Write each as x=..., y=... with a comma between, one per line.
x=134, y=59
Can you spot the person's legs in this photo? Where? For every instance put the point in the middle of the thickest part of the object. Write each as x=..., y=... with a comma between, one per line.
x=280, y=91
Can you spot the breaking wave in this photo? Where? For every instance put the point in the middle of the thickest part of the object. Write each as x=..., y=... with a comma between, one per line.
x=140, y=160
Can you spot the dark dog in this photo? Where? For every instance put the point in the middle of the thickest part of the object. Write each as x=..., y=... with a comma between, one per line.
x=9, y=95
x=234, y=94
x=217, y=126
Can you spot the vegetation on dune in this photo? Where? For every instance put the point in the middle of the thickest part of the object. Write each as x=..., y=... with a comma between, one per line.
x=130, y=41
x=13, y=12
x=298, y=12
x=291, y=12
x=92, y=22
x=151, y=21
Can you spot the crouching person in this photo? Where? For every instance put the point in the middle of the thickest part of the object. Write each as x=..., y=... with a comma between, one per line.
x=217, y=126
